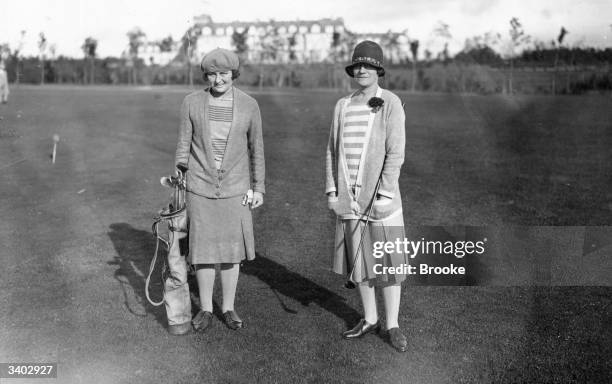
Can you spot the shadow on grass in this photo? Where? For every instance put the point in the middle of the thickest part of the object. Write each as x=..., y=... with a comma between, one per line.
x=135, y=249
x=291, y=284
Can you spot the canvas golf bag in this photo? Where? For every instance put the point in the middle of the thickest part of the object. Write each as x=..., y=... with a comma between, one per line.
x=176, y=295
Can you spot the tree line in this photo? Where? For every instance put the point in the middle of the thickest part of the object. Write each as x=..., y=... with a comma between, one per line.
x=488, y=52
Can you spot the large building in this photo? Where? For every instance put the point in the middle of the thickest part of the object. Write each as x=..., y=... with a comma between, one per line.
x=298, y=41
x=301, y=41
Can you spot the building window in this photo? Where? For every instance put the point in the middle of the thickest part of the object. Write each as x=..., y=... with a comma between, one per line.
x=316, y=28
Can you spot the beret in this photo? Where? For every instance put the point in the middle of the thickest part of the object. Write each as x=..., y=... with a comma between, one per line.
x=219, y=60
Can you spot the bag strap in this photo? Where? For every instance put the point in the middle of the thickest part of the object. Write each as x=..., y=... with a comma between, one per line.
x=153, y=261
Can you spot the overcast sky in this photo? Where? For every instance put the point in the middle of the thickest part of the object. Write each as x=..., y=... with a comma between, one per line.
x=66, y=23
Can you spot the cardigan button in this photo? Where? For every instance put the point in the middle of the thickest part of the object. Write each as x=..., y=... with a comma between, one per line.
x=218, y=194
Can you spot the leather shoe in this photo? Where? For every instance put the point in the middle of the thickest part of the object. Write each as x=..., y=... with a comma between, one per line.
x=202, y=321
x=361, y=329
x=398, y=340
x=232, y=320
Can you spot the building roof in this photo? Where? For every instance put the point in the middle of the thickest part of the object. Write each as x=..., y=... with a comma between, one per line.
x=206, y=20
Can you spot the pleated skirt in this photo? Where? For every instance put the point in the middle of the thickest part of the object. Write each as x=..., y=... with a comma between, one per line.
x=348, y=252
x=220, y=230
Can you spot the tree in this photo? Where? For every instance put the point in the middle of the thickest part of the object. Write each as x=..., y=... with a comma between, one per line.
x=136, y=39
x=292, y=43
x=560, y=38
x=239, y=42
x=414, y=49
x=442, y=31
x=189, y=45
x=517, y=38
x=271, y=46
x=42, y=46
x=166, y=45
x=391, y=45
x=16, y=56
x=89, y=49
x=339, y=53
x=478, y=50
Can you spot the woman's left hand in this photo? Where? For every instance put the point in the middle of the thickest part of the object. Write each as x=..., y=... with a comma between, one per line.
x=257, y=200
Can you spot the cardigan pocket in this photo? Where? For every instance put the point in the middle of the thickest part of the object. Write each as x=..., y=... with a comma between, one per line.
x=383, y=208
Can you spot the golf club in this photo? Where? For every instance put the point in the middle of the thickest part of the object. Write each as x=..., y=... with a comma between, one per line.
x=350, y=284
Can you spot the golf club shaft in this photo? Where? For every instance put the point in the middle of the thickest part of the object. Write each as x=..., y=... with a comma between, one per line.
x=350, y=276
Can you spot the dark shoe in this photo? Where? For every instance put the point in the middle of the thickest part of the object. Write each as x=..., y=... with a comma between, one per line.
x=202, y=321
x=232, y=320
x=398, y=340
x=179, y=329
x=361, y=329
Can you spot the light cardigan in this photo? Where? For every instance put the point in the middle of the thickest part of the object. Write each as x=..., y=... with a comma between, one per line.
x=243, y=162
x=382, y=158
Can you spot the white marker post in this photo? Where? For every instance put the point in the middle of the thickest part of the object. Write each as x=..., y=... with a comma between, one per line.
x=55, y=141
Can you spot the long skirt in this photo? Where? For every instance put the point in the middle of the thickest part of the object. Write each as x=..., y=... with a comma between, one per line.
x=369, y=268
x=220, y=230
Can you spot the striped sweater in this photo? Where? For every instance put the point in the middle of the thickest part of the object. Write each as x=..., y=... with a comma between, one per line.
x=220, y=120
x=354, y=134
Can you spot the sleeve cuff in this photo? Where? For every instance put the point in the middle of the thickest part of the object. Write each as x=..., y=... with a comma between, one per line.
x=328, y=190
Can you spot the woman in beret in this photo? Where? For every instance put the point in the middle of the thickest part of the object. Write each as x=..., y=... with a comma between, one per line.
x=220, y=149
x=364, y=156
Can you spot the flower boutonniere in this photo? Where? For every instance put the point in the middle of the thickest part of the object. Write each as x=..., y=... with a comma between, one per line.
x=376, y=103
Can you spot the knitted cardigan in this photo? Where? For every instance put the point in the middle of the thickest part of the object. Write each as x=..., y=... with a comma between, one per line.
x=243, y=163
x=383, y=156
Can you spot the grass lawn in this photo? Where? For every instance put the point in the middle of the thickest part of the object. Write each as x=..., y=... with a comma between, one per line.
x=77, y=243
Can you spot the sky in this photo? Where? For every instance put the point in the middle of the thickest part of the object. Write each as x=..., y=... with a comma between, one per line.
x=66, y=23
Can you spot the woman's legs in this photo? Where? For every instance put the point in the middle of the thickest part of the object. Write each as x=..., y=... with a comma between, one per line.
x=368, y=299
x=229, y=282
x=392, y=295
x=205, y=274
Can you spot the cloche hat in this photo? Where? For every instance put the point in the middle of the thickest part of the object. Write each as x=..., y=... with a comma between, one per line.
x=367, y=52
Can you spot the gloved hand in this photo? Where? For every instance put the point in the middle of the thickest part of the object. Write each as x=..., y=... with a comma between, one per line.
x=254, y=199
x=257, y=200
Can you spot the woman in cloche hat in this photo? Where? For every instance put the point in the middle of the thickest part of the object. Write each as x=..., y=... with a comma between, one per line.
x=364, y=156
x=220, y=148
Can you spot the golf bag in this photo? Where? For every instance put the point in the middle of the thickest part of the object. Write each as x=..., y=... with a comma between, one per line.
x=175, y=269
